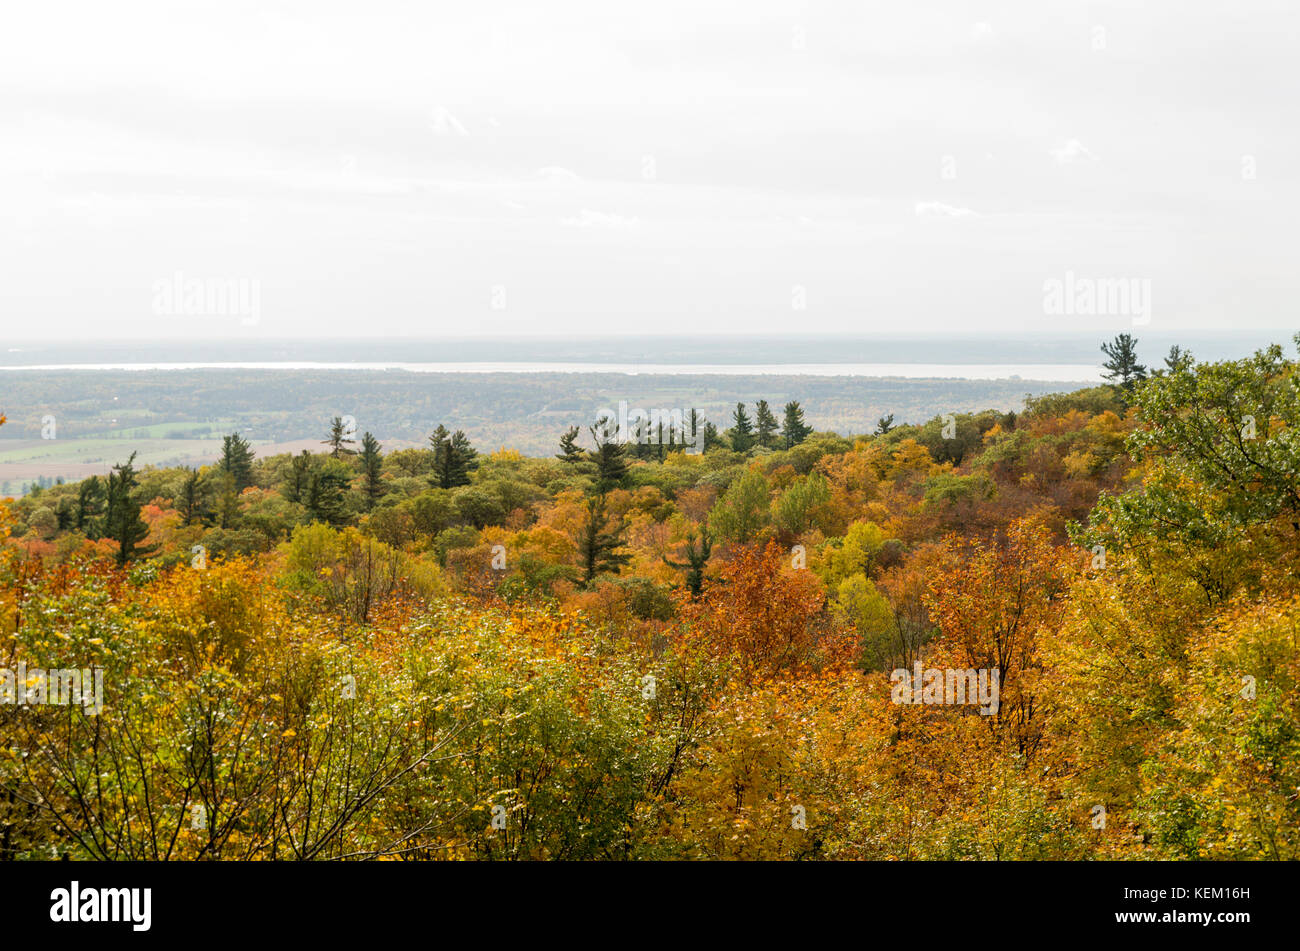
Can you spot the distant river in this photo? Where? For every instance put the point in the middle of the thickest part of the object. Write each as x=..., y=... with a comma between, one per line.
x=1049, y=372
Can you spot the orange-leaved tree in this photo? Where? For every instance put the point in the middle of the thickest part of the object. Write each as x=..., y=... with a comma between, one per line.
x=992, y=609
x=766, y=615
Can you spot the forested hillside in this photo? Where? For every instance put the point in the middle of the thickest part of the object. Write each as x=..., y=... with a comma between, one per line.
x=631, y=650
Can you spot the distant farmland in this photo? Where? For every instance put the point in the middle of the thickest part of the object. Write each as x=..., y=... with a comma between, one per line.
x=23, y=461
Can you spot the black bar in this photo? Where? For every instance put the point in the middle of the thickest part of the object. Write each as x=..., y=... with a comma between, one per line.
x=877, y=901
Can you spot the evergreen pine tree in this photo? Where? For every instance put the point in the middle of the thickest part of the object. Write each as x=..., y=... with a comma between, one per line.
x=697, y=557
x=122, y=522
x=65, y=512
x=326, y=493
x=90, y=498
x=372, y=463
x=742, y=430
x=227, y=502
x=570, y=451
x=453, y=458
x=339, y=439
x=191, y=503
x=464, y=458
x=237, y=459
x=295, y=486
x=765, y=424
x=1177, y=357
x=1122, y=364
x=440, y=441
x=598, y=542
x=610, y=457
x=794, y=430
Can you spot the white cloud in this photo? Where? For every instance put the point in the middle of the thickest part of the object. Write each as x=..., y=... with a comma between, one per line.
x=1072, y=151
x=557, y=176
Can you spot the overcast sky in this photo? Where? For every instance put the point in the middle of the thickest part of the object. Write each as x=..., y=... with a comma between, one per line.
x=669, y=167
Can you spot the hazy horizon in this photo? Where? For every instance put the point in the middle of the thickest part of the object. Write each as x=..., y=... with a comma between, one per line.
x=698, y=348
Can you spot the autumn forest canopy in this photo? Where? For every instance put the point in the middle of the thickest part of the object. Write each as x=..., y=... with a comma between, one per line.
x=631, y=649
